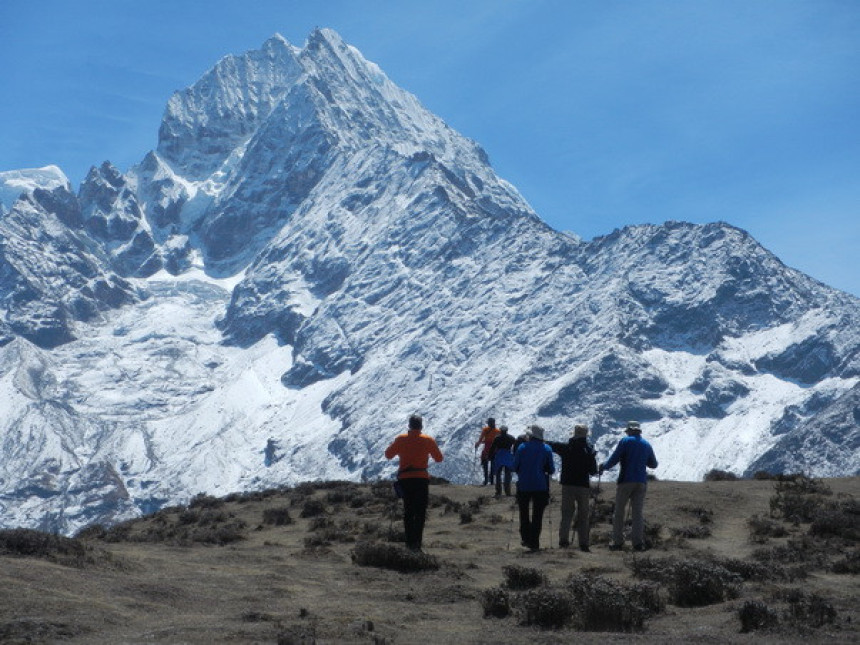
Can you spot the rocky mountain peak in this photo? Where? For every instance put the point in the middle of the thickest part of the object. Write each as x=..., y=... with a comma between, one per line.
x=310, y=256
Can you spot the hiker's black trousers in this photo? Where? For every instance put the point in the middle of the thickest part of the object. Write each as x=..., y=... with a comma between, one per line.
x=531, y=522
x=416, y=493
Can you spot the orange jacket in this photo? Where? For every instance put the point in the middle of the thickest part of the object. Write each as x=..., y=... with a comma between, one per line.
x=414, y=450
x=488, y=434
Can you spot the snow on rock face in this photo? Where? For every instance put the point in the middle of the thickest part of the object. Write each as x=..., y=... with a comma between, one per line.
x=321, y=257
x=51, y=275
x=15, y=183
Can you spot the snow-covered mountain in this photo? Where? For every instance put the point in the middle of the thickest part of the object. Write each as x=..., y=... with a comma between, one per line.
x=310, y=256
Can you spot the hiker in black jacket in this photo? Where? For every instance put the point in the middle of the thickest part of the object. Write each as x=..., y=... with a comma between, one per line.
x=578, y=463
x=502, y=458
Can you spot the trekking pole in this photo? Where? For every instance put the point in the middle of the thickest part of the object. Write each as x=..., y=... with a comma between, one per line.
x=549, y=503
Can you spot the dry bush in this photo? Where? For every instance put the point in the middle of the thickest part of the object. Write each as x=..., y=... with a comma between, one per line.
x=326, y=532
x=390, y=556
x=762, y=529
x=519, y=578
x=205, y=501
x=312, y=508
x=546, y=608
x=839, y=521
x=716, y=475
x=36, y=544
x=808, y=609
x=801, y=555
x=691, y=583
x=278, y=516
x=33, y=630
x=756, y=616
x=757, y=571
x=496, y=602
x=692, y=532
x=602, y=604
x=799, y=498
x=850, y=564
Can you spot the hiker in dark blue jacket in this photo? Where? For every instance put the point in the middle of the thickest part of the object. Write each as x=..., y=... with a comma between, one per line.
x=635, y=455
x=533, y=465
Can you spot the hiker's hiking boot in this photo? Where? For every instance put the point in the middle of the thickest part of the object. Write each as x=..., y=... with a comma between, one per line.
x=563, y=544
x=639, y=547
x=616, y=547
x=584, y=548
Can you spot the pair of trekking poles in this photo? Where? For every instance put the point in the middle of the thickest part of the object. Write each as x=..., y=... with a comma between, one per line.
x=594, y=495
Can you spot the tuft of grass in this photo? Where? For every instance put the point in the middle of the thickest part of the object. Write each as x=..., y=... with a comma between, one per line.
x=312, y=508
x=839, y=521
x=602, y=604
x=37, y=544
x=546, y=608
x=519, y=578
x=691, y=583
x=390, y=556
x=716, y=475
x=692, y=532
x=496, y=602
x=808, y=609
x=762, y=529
x=278, y=516
x=756, y=616
x=850, y=564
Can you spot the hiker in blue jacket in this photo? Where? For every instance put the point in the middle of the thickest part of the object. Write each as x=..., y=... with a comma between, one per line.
x=533, y=465
x=634, y=454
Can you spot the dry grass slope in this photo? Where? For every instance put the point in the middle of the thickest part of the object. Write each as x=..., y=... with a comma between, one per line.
x=764, y=561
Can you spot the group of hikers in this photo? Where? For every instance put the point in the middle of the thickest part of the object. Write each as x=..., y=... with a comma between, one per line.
x=531, y=458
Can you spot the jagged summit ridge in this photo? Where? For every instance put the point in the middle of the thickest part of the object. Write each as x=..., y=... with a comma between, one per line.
x=310, y=255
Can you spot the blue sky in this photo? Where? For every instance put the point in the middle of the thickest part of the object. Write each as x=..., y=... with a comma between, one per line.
x=602, y=113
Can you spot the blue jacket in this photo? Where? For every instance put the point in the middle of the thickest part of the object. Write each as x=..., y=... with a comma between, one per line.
x=533, y=465
x=635, y=454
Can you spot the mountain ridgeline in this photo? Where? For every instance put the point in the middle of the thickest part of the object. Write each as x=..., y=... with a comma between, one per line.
x=309, y=256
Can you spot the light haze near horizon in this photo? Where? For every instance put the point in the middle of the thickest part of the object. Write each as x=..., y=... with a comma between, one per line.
x=602, y=114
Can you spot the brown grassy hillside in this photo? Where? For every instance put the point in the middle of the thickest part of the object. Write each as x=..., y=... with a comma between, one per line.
x=319, y=563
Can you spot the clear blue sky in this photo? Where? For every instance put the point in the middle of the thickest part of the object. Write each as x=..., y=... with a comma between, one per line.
x=603, y=113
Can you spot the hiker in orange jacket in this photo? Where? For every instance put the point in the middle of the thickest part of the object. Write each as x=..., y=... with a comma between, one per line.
x=414, y=450
x=488, y=434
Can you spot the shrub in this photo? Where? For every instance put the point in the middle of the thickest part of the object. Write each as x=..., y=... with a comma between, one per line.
x=843, y=521
x=694, y=532
x=808, y=609
x=850, y=564
x=202, y=500
x=752, y=570
x=755, y=616
x=704, y=515
x=547, y=608
x=520, y=578
x=763, y=475
x=36, y=544
x=691, y=583
x=762, y=529
x=312, y=508
x=279, y=516
x=602, y=604
x=798, y=498
x=716, y=475
x=390, y=556
x=496, y=602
